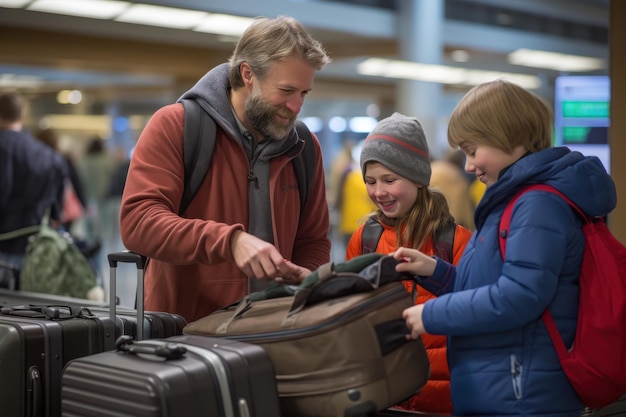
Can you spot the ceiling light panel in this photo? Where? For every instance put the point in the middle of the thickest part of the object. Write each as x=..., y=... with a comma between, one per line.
x=555, y=61
x=223, y=24
x=144, y=14
x=442, y=74
x=14, y=4
x=96, y=9
x=20, y=81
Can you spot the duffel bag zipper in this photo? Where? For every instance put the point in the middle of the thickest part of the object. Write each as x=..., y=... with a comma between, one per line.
x=386, y=298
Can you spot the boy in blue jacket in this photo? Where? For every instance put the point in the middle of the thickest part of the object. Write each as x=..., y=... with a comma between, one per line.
x=502, y=361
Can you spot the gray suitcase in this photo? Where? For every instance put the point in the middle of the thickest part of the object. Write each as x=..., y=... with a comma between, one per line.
x=178, y=376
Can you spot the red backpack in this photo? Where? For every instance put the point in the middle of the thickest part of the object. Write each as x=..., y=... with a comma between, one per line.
x=596, y=363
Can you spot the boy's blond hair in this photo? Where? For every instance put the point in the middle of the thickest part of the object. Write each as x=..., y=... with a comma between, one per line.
x=502, y=115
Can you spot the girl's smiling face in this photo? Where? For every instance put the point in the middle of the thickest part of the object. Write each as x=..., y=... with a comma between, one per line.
x=392, y=193
x=487, y=162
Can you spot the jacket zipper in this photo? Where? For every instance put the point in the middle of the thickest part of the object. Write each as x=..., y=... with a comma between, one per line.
x=516, y=373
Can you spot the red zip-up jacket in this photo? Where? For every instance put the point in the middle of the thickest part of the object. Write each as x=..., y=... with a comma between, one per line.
x=191, y=271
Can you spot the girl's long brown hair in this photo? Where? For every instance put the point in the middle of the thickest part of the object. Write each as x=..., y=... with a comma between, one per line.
x=429, y=213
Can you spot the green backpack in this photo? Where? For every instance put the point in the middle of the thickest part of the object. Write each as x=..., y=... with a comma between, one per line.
x=52, y=263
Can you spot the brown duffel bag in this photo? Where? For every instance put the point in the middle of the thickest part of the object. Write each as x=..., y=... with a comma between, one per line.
x=338, y=344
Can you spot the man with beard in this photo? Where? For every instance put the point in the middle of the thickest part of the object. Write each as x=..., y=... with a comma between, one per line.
x=245, y=225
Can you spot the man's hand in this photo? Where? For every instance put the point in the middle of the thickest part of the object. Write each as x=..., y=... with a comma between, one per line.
x=255, y=257
x=291, y=273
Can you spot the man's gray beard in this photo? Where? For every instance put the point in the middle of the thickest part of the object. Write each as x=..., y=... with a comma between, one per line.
x=262, y=115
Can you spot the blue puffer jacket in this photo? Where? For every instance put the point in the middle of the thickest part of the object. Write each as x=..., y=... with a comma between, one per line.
x=501, y=358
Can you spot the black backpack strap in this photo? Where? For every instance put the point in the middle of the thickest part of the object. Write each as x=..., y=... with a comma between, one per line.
x=198, y=148
x=372, y=231
x=443, y=239
x=304, y=163
x=199, y=145
x=444, y=242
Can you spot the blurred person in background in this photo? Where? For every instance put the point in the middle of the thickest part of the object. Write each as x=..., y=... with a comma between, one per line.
x=75, y=200
x=450, y=178
x=341, y=165
x=32, y=178
x=342, y=162
x=353, y=203
x=95, y=167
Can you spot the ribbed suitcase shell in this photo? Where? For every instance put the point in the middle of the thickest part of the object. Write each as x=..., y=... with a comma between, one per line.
x=33, y=351
x=156, y=324
x=215, y=377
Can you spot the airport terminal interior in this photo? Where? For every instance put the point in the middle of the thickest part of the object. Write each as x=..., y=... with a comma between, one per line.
x=100, y=69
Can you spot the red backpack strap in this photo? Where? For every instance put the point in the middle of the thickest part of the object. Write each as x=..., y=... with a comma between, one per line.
x=503, y=231
x=505, y=220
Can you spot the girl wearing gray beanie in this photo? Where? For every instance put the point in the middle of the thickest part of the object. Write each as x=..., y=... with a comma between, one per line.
x=396, y=169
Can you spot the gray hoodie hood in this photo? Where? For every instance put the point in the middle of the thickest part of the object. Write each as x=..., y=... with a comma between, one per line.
x=212, y=93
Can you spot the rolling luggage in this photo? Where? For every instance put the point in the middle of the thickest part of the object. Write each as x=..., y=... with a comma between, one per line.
x=155, y=324
x=338, y=344
x=35, y=343
x=177, y=376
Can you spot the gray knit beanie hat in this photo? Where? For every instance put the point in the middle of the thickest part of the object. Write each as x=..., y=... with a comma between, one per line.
x=398, y=142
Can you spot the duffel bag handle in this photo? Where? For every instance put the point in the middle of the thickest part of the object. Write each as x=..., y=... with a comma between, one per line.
x=242, y=307
x=332, y=280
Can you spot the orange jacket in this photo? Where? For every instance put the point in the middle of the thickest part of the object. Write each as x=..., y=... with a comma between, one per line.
x=434, y=397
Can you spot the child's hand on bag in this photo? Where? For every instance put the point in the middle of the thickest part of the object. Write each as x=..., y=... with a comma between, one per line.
x=414, y=262
x=413, y=317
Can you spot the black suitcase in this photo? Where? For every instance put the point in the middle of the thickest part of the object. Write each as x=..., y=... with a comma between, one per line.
x=35, y=344
x=155, y=324
x=178, y=376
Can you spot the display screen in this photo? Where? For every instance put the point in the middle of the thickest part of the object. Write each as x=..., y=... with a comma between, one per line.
x=581, y=114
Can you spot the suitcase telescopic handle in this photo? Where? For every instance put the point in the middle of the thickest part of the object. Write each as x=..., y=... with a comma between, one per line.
x=140, y=261
x=127, y=257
